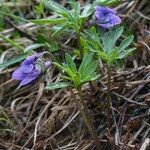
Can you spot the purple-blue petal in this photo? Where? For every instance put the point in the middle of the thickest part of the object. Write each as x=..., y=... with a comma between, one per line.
x=32, y=59
x=47, y=64
x=26, y=81
x=113, y=20
x=27, y=68
x=19, y=74
x=29, y=78
x=103, y=11
x=106, y=17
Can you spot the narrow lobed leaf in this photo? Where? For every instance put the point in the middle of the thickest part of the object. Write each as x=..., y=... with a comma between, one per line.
x=57, y=85
x=125, y=43
x=49, y=21
x=70, y=62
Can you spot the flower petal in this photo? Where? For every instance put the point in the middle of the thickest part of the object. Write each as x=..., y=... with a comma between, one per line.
x=26, y=81
x=102, y=11
x=113, y=20
x=106, y=17
x=105, y=10
x=32, y=59
x=47, y=64
x=32, y=76
x=19, y=74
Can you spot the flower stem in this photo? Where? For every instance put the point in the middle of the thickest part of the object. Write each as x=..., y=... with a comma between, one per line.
x=79, y=43
x=108, y=95
x=87, y=119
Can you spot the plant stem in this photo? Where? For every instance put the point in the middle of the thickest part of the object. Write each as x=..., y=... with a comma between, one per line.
x=88, y=121
x=79, y=43
x=108, y=95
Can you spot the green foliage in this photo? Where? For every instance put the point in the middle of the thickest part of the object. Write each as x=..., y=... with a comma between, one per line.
x=57, y=85
x=104, y=44
x=33, y=47
x=107, y=2
x=39, y=9
x=77, y=77
x=13, y=61
x=13, y=43
x=72, y=18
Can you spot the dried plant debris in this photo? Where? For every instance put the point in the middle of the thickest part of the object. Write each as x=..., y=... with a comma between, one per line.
x=73, y=76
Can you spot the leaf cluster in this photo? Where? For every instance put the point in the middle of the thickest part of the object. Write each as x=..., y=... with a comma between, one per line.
x=77, y=77
x=105, y=44
x=73, y=18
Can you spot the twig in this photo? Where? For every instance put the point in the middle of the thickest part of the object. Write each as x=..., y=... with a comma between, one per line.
x=71, y=118
x=108, y=98
x=129, y=100
x=117, y=134
x=136, y=135
x=138, y=82
x=145, y=144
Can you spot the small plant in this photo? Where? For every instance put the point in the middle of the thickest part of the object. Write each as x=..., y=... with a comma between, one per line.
x=67, y=19
x=76, y=78
x=103, y=42
x=104, y=45
x=85, y=73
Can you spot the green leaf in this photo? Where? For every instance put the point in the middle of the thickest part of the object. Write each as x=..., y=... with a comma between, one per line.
x=69, y=72
x=13, y=61
x=62, y=28
x=13, y=43
x=108, y=2
x=88, y=10
x=49, y=21
x=93, y=35
x=33, y=46
x=125, y=53
x=92, y=77
x=109, y=39
x=66, y=78
x=112, y=56
x=89, y=70
x=59, y=9
x=76, y=11
x=70, y=62
x=76, y=79
x=102, y=55
x=125, y=43
x=53, y=46
x=8, y=130
x=59, y=66
x=57, y=85
x=87, y=58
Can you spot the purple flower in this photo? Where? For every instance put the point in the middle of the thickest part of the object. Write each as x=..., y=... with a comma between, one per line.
x=30, y=69
x=106, y=17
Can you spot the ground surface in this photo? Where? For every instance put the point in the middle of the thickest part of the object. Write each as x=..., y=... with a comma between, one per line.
x=31, y=117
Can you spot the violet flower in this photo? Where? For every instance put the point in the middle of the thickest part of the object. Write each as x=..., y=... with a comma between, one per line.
x=30, y=69
x=106, y=17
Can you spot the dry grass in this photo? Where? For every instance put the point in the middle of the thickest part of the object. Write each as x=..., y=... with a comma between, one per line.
x=50, y=120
